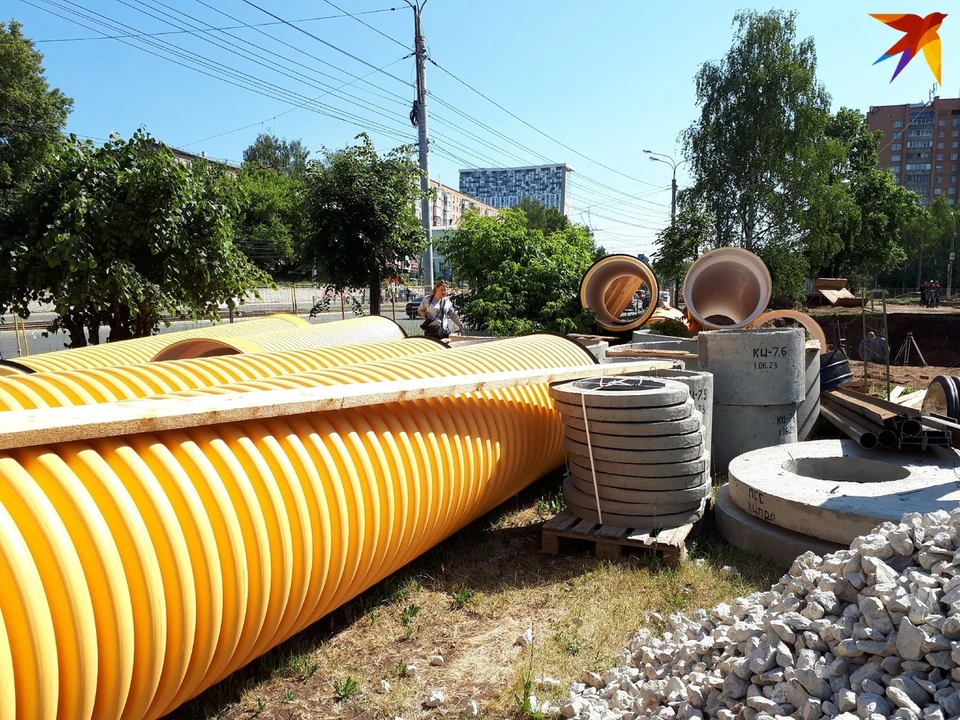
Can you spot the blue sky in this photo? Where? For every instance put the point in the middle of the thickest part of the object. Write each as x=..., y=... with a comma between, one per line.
x=607, y=78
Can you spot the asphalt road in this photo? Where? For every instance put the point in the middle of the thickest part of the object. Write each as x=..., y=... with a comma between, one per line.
x=54, y=342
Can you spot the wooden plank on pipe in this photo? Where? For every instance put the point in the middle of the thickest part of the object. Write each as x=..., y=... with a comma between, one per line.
x=850, y=414
x=891, y=407
x=874, y=409
x=636, y=352
x=913, y=400
x=173, y=412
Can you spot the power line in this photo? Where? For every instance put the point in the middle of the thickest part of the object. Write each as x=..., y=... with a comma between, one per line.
x=228, y=75
x=234, y=27
x=289, y=110
x=536, y=129
x=354, y=16
x=321, y=40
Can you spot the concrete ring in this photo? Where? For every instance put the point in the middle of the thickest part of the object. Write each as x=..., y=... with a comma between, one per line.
x=647, y=522
x=757, y=537
x=643, y=442
x=805, y=487
x=642, y=494
x=628, y=391
x=634, y=457
x=658, y=476
x=635, y=429
x=680, y=411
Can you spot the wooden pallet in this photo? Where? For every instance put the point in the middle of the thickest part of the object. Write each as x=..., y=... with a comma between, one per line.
x=610, y=541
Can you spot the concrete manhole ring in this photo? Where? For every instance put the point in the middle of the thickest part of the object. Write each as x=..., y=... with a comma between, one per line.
x=585, y=506
x=658, y=475
x=680, y=411
x=621, y=392
x=757, y=537
x=635, y=429
x=641, y=442
x=642, y=494
x=835, y=490
x=631, y=457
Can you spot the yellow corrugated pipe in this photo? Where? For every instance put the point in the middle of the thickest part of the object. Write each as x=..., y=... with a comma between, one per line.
x=372, y=328
x=141, y=350
x=126, y=382
x=138, y=571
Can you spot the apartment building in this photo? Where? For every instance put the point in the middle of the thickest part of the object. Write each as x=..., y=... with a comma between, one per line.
x=921, y=146
x=505, y=187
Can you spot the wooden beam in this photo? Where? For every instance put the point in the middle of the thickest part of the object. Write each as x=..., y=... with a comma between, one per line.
x=175, y=412
x=638, y=353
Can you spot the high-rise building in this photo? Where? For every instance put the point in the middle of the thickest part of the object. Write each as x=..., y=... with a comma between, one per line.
x=921, y=145
x=504, y=187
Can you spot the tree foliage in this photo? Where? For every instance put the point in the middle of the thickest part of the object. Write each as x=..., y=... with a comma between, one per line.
x=32, y=115
x=870, y=214
x=756, y=151
x=270, y=225
x=681, y=243
x=269, y=151
x=521, y=279
x=541, y=217
x=122, y=235
x=361, y=216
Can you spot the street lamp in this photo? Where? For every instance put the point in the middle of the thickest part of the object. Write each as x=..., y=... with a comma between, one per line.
x=668, y=160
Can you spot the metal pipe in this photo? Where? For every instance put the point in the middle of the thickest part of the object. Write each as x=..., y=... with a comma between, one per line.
x=727, y=288
x=610, y=284
x=850, y=428
x=911, y=427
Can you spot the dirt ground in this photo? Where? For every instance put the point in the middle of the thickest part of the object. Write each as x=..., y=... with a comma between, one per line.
x=905, y=308
x=912, y=378
x=469, y=599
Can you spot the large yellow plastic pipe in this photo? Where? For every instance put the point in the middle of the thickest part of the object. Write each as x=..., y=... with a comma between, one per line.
x=138, y=571
x=140, y=350
x=372, y=328
x=126, y=382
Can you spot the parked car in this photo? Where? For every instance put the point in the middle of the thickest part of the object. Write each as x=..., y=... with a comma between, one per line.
x=412, y=307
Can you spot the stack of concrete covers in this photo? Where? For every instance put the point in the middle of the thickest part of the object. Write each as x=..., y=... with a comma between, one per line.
x=635, y=450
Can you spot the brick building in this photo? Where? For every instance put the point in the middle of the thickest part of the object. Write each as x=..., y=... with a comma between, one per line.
x=921, y=146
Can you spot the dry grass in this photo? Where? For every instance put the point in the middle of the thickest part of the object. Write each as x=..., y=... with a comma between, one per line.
x=475, y=594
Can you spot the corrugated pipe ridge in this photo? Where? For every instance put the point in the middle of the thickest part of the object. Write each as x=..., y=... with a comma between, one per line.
x=141, y=350
x=371, y=328
x=126, y=382
x=138, y=571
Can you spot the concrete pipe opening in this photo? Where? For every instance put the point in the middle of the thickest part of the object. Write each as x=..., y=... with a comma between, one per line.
x=609, y=289
x=727, y=288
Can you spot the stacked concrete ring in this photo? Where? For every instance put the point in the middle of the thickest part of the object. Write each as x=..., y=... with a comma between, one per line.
x=635, y=450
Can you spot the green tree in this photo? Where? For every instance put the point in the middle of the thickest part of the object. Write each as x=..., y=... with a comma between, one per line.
x=269, y=151
x=361, y=216
x=270, y=224
x=543, y=218
x=681, y=243
x=867, y=215
x=122, y=235
x=32, y=115
x=521, y=280
x=756, y=150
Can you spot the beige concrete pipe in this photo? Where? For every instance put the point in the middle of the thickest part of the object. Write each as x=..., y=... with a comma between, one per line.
x=727, y=288
x=610, y=284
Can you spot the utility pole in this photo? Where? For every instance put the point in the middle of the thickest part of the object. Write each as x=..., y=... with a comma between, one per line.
x=423, y=143
x=669, y=160
x=953, y=246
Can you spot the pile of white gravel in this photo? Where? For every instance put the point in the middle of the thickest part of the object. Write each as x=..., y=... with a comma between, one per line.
x=870, y=632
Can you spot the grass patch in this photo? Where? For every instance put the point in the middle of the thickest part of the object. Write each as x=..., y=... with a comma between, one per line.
x=474, y=595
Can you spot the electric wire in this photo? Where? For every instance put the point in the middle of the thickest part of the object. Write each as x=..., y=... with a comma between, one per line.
x=234, y=27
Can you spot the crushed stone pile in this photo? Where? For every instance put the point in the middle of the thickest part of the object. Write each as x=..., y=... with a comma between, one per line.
x=871, y=632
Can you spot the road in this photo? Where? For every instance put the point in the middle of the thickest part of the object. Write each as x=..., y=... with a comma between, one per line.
x=53, y=342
